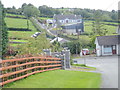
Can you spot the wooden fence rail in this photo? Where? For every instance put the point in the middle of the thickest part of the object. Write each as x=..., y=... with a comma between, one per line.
x=15, y=69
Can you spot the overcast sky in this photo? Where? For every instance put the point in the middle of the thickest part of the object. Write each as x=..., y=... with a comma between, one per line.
x=92, y=4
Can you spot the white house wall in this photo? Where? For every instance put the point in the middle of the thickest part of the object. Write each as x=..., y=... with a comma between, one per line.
x=98, y=48
x=70, y=31
x=70, y=21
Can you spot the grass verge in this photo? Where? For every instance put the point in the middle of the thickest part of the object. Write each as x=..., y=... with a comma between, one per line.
x=83, y=67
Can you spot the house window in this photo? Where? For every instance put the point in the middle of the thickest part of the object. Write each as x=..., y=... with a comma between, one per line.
x=107, y=49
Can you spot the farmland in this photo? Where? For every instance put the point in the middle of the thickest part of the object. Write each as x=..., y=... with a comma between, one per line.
x=19, y=23
x=24, y=35
x=110, y=28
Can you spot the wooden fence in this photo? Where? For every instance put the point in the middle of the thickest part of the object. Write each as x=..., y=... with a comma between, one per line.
x=15, y=69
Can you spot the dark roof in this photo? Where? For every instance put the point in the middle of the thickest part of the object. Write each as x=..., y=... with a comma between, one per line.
x=108, y=40
x=62, y=17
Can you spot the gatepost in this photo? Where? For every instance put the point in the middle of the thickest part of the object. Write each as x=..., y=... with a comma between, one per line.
x=62, y=61
x=67, y=58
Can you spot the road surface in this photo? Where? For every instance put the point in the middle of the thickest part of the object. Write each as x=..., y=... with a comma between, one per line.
x=107, y=66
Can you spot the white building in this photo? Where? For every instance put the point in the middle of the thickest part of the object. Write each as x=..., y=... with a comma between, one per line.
x=70, y=24
x=60, y=40
x=108, y=45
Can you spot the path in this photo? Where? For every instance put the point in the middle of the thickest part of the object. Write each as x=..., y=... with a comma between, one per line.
x=43, y=26
x=108, y=67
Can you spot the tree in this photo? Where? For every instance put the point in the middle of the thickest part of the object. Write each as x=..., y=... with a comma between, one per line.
x=3, y=33
x=48, y=11
x=98, y=26
x=56, y=46
x=74, y=46
x=30, y=11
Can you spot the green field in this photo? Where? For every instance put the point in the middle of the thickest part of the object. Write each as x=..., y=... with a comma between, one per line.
x=14, y=44
x=18, y=40
x=59, y=79
x=111, y=29
x=44, y=18
x=18, y=23
x=14, y=15
x=21, y=34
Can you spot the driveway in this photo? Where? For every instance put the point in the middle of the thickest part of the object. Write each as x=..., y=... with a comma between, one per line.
x=107, y=66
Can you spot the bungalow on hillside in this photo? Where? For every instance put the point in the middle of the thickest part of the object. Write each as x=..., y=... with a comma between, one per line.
x=71, y=24
x=107, y=45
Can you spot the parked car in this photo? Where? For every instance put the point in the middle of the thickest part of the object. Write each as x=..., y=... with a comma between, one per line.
x=85, y=51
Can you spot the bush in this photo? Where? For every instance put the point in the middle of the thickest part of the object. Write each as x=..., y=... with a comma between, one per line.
x=11, y=51
x=73, y=46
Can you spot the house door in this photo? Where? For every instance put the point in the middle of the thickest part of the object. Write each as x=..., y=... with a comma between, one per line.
x=114, y=49
x=66, y=21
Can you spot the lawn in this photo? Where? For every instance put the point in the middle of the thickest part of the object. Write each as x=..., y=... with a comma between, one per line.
x=59, y=79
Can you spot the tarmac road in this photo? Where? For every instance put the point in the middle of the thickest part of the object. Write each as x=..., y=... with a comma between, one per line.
x=107, y=66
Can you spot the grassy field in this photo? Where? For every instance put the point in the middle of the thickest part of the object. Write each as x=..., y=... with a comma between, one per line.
x=16, y=44
x=19, y=23
x=18, y=40
x=44, y=18
x=111, y=29
x=14, y=15
x=59, y=79
x=21, y=34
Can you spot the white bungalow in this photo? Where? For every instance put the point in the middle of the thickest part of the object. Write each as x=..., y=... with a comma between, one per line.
x=107, y=45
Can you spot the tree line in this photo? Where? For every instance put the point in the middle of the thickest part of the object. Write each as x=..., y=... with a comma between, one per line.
x=3, y=33
x=46, y=11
